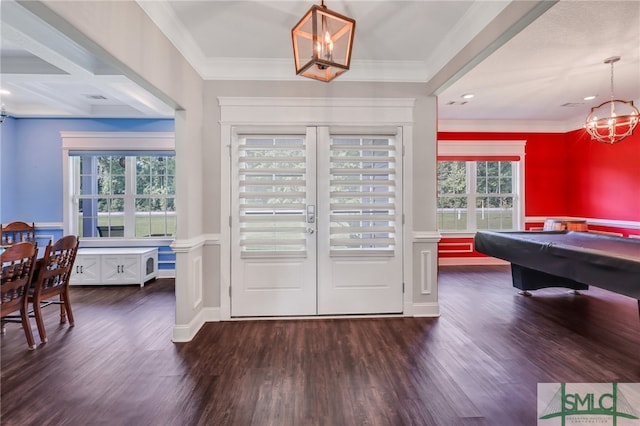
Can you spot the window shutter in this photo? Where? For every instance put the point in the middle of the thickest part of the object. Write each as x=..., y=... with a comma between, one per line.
x=273, y=198
x=362, y=196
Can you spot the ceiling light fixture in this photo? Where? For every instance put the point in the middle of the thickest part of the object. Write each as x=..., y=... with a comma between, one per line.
x=322, y=42
x=614, y=120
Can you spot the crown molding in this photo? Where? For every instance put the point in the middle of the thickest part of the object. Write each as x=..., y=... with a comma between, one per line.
x=270, y=69
x=278, y=69
x=162, y=14
x=509, y=126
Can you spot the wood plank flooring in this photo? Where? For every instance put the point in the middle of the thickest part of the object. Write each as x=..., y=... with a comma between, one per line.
x=479, y=363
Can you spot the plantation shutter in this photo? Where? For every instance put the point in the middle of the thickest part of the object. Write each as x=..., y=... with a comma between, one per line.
x=362, y=196
x=272, y=190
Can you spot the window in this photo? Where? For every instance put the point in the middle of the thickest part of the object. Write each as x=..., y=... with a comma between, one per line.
x=475, y=195
x=479, y=185
x=123, y=195
x=119, y=184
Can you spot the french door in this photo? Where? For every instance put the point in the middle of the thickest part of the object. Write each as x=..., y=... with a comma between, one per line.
x=316, y=225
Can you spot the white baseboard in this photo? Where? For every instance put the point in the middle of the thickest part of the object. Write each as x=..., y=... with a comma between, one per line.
x=461, y=261
x=211, y=314
x=429, y=309
x=186, y=332
x=166, y=273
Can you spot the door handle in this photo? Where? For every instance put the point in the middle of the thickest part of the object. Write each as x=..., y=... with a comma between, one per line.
x=310, y=230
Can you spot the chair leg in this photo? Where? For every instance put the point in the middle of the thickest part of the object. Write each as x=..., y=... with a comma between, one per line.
x=37, y=311
x=26, y=326
x=67, y=306
x=63, y=314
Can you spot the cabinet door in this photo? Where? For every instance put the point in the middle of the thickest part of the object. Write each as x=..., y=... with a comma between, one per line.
x=118, y=269
x=130, y=270
x=86, y=270
x=111, y=267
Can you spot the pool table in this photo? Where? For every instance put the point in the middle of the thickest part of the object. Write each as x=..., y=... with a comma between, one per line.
x=568, y=259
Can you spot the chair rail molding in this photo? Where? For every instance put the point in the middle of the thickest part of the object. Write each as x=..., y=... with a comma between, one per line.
x=426, y=237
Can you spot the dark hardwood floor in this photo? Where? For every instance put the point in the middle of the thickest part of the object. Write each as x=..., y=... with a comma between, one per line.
x=478, y=364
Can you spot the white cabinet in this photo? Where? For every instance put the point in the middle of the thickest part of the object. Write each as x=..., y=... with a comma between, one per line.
x=115, y=266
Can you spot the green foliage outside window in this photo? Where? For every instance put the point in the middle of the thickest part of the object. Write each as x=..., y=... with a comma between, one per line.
x=104, y=194
x=490, y=205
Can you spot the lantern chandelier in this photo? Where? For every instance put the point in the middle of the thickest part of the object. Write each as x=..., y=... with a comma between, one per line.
x=322, y=42
x=614, y=120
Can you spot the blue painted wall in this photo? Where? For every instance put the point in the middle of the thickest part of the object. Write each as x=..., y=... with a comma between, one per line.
x=31, y=167
x=31, y=150
x=7, y=159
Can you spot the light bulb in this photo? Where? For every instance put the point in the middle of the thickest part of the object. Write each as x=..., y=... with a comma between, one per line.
x=329, y=43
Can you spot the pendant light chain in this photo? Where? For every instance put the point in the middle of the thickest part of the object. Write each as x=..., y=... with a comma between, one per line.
x=613, y=109
x=612, y=62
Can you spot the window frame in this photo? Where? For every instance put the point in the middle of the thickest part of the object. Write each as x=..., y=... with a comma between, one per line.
x=108, y=143
x=480, y=150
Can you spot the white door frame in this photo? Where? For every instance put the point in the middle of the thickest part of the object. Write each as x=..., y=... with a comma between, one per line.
x=237, y=113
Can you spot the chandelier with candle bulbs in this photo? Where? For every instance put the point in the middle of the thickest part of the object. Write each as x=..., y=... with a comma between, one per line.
x=322, y=42
x=614, y=120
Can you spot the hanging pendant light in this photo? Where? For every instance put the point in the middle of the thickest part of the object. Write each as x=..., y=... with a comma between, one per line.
x=322, y=42
x=614, y=120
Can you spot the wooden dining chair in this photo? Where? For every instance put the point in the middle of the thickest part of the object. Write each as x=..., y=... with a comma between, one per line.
x=17, y=232
x=18, y=264
x=52, y=280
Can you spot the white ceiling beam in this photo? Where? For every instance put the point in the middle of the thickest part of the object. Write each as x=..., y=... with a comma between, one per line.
x=129, y=93
x=492, y=33
x=42, y=51
x=24, y=30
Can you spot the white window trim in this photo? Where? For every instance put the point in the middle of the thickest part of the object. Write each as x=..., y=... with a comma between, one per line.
x=108, y=141
x=467, y=148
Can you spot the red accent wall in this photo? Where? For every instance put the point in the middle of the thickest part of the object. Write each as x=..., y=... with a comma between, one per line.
x=569, y=175
x=547, y=169
x=605, y=178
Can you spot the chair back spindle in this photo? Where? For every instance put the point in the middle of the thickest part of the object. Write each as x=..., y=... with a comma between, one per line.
x=17, y=232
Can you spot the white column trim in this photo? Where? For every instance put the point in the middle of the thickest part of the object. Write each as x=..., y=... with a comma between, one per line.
x=186, y=333
x=426, y=285
x=426, y=237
